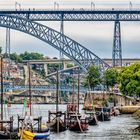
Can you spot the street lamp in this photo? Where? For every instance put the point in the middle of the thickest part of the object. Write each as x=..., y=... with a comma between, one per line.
x=54, y=5
x=130, y=5
x=92, y=5
x=17, y=5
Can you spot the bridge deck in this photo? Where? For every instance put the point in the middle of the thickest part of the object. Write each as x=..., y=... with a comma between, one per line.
x=77, y=15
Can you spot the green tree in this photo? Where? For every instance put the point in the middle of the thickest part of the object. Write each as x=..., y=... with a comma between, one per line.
x=129, y=78
x=15, y=57
x=31, y=56
x=70, y=65
x=110, y=77
x=93, y=77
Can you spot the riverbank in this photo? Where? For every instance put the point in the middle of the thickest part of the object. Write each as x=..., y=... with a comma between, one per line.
x=129, y=109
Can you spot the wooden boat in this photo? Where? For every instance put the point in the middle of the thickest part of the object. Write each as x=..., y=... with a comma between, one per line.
x=57, y=119
x=27, y=130
x=103, y=113
x=92, y=120
x=76, y=124
x=8, y=135
x=5, y=132
x=53, y=126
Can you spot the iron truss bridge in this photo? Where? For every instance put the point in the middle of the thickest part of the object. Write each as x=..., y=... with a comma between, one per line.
x=45, y=88
x=76, y=15
x=72, y=49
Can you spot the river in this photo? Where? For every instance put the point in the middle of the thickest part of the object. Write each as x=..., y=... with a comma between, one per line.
x=119, y=128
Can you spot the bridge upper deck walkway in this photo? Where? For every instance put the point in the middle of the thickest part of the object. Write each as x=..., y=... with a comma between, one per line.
x=76, y=15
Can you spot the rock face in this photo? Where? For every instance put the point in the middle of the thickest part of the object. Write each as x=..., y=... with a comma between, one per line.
x=129, y=109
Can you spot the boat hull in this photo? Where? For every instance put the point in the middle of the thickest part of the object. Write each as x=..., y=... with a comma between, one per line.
x=92, y=121
x=76, y=127
x=27, y=135
x=53, y=126
x=12, y=135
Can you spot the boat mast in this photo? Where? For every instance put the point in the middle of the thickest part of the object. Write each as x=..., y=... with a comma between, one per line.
x=78, y=87
x=57, y=92
x=30, y=88
x=2, y=90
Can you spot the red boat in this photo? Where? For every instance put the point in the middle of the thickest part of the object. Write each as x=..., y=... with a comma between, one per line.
x=77, y=124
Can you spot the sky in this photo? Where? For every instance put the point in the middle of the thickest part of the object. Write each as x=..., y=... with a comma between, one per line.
x=96, y=36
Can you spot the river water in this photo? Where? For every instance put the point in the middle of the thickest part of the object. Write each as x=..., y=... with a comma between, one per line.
x=119, y=128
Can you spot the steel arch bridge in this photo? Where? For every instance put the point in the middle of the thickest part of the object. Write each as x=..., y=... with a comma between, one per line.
x=78, y=53
x=116, y=15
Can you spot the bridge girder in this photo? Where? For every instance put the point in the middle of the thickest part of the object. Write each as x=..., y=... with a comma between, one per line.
x=76, y=15
x=75, y=51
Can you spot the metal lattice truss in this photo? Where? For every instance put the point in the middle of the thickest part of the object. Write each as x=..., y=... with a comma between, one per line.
x=76, y=52
x=77, y=15
x=117, y=49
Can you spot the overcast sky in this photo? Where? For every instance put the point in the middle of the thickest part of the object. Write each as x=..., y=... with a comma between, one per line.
x=96, y=36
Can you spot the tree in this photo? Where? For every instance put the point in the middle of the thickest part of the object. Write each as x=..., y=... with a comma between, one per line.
x=93, y=77
x=70, y=65
x=129, y=78
x=110, y=77
x=31, y=56
x=15, y=57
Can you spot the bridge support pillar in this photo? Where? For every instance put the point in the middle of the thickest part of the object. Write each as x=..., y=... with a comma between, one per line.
x=117, y=49
x=46, y=69
x=64, y=65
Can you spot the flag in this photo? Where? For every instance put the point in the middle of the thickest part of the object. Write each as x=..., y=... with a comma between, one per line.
x=93, y=104
x=25, y=104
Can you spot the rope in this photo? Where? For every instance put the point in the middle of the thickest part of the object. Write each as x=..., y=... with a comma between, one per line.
x=79, y=122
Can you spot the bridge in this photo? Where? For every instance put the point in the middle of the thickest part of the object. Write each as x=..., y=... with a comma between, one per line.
x=45, y=88
x=83, y=15
x=76, y=15
x=125, y=62
x=61, y=42
x=69, y=47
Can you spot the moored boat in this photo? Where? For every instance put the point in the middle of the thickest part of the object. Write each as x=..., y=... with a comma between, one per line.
x=77, y=124
x=103, y=113
x=28, y=135
x=53, y=126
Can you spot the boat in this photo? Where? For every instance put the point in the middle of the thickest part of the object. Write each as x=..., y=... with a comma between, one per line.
x=56, y=120
x=77, y=124
x=6, y=132
x=28, y=135
x=103, y=113
x=92, y=119
x=27, y=130
x=53, y=126
x=90, y=110
x=75, y=121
